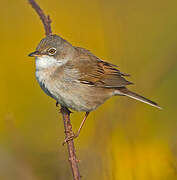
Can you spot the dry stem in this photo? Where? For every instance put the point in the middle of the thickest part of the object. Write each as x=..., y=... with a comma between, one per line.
x=71, y=149
x=45, y=19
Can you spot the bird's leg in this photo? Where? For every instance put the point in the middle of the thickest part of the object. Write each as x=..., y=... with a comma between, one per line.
x=82, y=124
x=75, y=135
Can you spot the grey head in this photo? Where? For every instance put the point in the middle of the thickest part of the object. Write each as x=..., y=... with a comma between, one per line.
x=52, y=45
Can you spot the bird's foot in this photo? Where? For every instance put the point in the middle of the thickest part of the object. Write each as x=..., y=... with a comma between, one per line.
x=70, y=138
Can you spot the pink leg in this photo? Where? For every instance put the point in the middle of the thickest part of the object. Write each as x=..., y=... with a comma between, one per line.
x=82, y=124
x=79, y=130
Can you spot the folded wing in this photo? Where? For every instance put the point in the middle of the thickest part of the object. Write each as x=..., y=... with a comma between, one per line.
x=99, y=73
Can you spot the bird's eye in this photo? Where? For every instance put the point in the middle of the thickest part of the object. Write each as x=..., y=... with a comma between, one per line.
x=52, y=51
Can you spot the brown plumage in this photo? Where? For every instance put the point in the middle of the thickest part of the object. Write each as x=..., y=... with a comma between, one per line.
x=97, y=72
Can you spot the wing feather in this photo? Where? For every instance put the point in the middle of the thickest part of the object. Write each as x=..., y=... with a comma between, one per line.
x=94, y=71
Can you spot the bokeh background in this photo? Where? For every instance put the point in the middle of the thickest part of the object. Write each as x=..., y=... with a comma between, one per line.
x=123, y=139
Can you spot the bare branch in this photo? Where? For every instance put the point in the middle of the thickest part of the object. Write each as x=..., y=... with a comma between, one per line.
x=65, y=112
x=71, y=149
x=45, y=19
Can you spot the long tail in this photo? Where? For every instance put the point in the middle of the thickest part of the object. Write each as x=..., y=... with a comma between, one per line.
x=126, y=92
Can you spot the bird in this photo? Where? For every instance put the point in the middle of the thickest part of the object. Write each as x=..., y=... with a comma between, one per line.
x=77, y=79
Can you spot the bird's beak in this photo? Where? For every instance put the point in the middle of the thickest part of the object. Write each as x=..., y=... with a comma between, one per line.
x=34, y=54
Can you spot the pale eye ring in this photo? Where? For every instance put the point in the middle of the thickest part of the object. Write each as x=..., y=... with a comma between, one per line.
x=52, y=51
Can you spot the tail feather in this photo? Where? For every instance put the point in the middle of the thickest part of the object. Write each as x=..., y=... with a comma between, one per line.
x=138, y=97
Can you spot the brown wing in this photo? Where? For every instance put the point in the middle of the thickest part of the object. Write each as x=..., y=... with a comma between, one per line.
x=97, y=72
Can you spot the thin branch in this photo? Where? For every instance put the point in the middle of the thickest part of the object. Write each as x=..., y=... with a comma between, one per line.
x=65, y=112
x=45, y=19
x=71, y=149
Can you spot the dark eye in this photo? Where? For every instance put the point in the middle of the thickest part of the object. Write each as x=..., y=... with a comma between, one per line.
x=52, y=51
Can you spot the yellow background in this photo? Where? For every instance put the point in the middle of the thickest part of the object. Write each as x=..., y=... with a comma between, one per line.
x=123, y=139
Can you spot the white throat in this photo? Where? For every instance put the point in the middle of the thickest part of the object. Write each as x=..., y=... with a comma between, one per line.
x=48, y=61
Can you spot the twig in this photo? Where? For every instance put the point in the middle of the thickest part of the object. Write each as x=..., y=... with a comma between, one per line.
x=65, y=112
x=71, y=149
x=45, y=19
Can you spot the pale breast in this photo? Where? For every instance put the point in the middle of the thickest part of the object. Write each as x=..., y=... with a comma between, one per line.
x=45, y=68
x=43, y=80
x=62, y=85
x=59, y=85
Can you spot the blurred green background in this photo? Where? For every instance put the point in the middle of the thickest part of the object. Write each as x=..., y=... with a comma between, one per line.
x=123, y=139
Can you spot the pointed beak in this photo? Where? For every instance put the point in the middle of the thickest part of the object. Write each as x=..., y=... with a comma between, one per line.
x=34, y=54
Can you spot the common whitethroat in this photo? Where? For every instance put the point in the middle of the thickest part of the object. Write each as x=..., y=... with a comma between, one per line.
x=76, y=78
